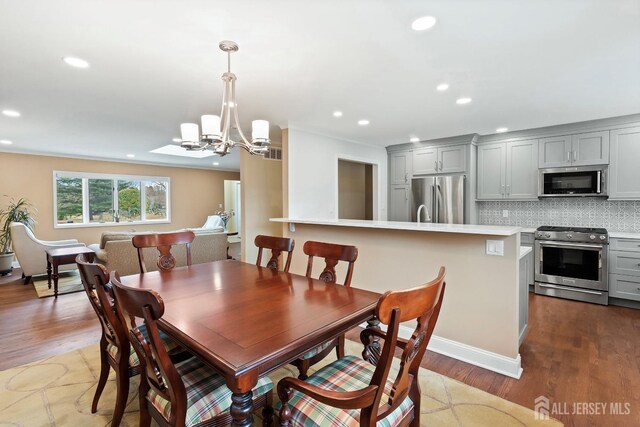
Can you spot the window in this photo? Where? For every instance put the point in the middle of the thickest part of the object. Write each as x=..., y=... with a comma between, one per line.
x=87, y=199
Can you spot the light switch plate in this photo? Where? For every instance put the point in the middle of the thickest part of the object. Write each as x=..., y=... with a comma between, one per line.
x=495, y=247
x=292, y=227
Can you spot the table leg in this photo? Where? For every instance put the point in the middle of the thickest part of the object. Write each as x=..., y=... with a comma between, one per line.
x=372, y=351
x=55, y=279
x=49, y=272
x=241, y=409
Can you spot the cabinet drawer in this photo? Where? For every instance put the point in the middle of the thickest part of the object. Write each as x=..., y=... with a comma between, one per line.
x=627, y=287
x=627, y=263
x=526, y=239
x=630, y=245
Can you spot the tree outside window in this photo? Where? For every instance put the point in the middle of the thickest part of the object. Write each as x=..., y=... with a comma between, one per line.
x=69, y=192
x=156, y=200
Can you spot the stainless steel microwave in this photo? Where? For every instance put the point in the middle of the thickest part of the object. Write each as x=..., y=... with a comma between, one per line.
x=582, y=181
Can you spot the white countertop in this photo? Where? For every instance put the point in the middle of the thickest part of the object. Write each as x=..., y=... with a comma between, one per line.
x=492, y=230
x=623, y=235
x=524, y=250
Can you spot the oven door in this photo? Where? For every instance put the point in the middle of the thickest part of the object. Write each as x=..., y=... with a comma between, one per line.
x=581, y=265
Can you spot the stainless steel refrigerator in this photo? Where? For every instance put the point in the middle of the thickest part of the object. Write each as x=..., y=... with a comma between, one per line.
x=442, y=197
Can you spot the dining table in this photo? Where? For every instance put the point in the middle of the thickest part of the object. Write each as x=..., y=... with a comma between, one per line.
x=246, y=321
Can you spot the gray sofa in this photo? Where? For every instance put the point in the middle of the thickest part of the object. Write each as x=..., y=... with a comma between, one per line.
x=116, y=252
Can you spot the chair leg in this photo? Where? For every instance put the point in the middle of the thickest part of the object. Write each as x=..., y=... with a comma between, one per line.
x=145, y=416
x=122, y=393
x=267, y=411
x=340, y=347
x=303, y=367
x=104, y=374
x=414, y=394
x=26, y=279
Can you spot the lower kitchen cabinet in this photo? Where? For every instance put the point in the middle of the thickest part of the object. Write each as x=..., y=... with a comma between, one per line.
x=625, y=287
x=399, y=203
x=523, y=296
x=624, y=269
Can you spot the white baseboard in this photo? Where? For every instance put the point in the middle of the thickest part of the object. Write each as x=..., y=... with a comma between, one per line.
x=476, y=356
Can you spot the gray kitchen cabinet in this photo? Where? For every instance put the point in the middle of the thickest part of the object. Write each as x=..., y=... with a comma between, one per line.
x=624, y=269
x=583, y=149
x=508, y=170
x=399, y=209
x=523, y=298
x=522, y=170
x=555, y=152
x=624, y=172
x=528, y=240
x=491, y=171
x=446, y=159
x=590, y=149
x=400, y=165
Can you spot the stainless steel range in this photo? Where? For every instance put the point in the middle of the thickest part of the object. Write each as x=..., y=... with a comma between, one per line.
x=572, y=263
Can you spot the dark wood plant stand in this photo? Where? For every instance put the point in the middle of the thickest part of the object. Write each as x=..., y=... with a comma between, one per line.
x=63, y=256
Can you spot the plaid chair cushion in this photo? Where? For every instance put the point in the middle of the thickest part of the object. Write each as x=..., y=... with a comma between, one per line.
x=169, y=344
x=207, y=392
x=309, y=354
x=349, y=373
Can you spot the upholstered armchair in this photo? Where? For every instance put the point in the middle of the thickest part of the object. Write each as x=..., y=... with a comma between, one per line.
x=31, y=251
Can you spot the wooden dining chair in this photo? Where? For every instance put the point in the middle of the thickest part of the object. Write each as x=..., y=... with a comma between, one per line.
x=163, y=242
x=189, y=393
x=355, y=392
x=332, y=254
x=277, y=246
x=115, y=350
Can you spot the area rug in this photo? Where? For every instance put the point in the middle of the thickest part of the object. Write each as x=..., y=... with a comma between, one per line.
x=58, y=391
x=68, y=283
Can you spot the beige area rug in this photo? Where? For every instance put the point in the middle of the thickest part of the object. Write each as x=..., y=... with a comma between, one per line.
x=58, y=392
x=68, y=283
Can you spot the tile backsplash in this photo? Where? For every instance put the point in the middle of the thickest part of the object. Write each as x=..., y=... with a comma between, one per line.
x=622, y=216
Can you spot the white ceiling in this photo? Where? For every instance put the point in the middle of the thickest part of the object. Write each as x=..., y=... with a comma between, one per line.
x=155, y=64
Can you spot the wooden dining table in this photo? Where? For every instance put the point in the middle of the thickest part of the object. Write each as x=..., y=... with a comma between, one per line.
x=246, y=321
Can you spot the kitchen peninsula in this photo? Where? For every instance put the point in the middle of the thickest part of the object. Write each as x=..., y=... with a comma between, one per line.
x=479, y=318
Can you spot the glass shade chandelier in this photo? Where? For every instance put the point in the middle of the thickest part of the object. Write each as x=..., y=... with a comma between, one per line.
x=216, y=130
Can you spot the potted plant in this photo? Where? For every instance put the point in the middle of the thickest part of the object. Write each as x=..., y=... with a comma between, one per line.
x=19, y=211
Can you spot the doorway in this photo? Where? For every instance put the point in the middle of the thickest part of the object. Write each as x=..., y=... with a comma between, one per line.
x=355, y=190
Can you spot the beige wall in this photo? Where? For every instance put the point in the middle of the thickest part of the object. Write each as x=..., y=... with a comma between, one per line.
x=195, y=193
x=480, y=306
x=261, y=199
x=351, y=190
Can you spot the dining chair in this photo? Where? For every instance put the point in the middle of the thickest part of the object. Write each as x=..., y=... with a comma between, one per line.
x=189, y=393
x=115, y=350
x=163, y=242
x=277, y=246
x=332, y=254
x=355, y=392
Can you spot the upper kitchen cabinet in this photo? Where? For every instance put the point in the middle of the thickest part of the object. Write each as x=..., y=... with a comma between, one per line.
x=400, y=165
x=508, y=171
x=582, y=149
x=445, y=159
x=624, y=172
x=399, y=209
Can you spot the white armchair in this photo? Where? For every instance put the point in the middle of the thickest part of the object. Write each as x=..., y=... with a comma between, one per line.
x=31, y=251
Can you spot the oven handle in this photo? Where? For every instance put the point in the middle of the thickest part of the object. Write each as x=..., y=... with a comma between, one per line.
x=564, y=288
x=572, y=245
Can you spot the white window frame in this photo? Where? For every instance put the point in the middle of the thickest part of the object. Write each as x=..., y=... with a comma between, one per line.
x=85, y=176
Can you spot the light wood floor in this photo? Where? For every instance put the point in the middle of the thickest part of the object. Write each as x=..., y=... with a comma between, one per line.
x=574, y=352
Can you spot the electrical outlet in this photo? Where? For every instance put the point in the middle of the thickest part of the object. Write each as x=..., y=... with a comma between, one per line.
x=495, y=247
x=505, y=213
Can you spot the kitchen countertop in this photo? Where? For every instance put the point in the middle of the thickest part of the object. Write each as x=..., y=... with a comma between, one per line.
x=524, y=250
x=491, y=230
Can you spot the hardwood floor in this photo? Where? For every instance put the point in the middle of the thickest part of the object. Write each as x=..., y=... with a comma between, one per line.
x=574, y=352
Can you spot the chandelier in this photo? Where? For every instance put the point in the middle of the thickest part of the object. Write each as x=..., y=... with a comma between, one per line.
x=216, y=130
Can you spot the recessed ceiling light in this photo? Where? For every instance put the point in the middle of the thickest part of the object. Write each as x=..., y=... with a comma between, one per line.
x=75, y=62
x=462, y=101
x=5, y=142
x=363, y=122
x=414, y=139
x=502, y=130
x=131, y=156
x=216, y=163
x=11, y=113
x=177, y=139
x=337, y=114
x=424, y=23
x=442, y=87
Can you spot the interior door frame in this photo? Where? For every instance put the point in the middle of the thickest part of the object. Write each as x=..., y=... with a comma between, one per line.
x=375, y=184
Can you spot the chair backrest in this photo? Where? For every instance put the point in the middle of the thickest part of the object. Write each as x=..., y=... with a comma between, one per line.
x=332, y=254
x=421, y=304
x=160, y=373
x=277, y=246
x=163, y=243
x=95, y=281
